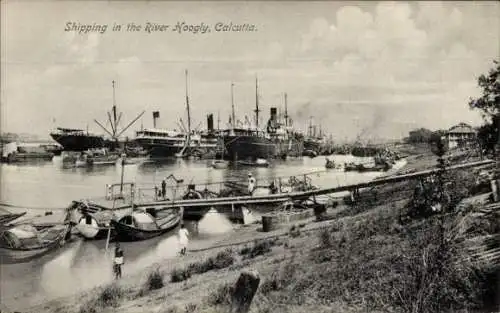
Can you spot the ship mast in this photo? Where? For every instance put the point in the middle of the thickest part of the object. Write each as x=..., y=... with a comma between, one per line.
x=286, y=111
x=256, y=104
x=187, y=105
x=233, y=117
x=114, y=126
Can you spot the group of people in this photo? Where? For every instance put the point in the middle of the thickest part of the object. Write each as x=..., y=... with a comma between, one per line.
x=118, y=260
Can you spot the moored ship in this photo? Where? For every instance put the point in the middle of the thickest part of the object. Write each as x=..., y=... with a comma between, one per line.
x=163, y=143
x=77, y=139
x=277, y=140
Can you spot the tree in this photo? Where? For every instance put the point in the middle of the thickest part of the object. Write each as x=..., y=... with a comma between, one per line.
x=489, y=105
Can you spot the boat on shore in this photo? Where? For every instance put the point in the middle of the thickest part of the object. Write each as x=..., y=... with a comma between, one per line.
x=142, y=225
x=25, y=242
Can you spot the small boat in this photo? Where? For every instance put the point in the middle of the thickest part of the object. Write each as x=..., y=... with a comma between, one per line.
x=9, y=217
x=141, y=225
x=219, y=164
x=257, y=163
x=24, y=242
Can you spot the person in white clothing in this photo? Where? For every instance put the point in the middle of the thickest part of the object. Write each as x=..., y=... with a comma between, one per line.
x=183, y=239
x=251, y=183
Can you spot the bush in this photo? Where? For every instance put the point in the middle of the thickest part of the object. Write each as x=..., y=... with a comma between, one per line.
x=108, y=296
x=178, y=275
x=154, y=280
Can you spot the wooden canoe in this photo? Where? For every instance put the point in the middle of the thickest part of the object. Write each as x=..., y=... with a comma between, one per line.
x=16, y=248
x=141, y=225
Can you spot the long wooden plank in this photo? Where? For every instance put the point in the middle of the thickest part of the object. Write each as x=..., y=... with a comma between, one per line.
x=277, y=198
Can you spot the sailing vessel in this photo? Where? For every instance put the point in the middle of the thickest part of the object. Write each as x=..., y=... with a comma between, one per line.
x=79, y=140
x=276, y=140
x=162, y=143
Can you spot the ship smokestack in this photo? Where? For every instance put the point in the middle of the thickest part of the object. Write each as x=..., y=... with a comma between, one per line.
x=156, y=115
x=210, y=122
x=273, y=114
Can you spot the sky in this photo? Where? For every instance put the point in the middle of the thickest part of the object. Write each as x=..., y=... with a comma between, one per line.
x=359, y=68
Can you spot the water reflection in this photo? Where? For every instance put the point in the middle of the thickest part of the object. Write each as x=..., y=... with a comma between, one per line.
x=82, y=265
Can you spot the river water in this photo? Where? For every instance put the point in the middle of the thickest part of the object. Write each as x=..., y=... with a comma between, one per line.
x=80, y=265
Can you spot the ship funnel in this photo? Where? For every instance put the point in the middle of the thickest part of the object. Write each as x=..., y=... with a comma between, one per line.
x=273, y=114
x=156, y=115
x=210, y=122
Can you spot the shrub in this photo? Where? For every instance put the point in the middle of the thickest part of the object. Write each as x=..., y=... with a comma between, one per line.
x=108, y=296
x=178, y=275
x=154, y=280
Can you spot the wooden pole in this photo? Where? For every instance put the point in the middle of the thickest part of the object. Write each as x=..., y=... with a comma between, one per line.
x=244, y=291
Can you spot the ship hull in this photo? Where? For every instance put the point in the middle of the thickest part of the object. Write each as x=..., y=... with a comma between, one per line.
x=253, y=147
x=78, y=142
x=161, y=149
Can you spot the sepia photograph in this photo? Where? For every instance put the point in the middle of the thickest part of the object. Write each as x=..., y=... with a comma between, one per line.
x=249, y=156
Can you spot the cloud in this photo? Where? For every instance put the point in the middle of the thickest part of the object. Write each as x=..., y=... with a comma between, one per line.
x=390, y=65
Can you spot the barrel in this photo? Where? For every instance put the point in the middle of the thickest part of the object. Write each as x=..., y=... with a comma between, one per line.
x=269, y=223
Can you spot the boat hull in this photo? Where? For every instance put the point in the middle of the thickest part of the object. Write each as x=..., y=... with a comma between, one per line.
x=78, y=142
x=255, y=147
x=23, y=255
x=129, y=233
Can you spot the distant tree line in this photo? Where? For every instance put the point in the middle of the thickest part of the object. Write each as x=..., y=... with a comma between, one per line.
x=424, y=135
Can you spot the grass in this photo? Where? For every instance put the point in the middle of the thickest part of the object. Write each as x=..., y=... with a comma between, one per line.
x=222, y=260
x=109, y=296
x=259, y=247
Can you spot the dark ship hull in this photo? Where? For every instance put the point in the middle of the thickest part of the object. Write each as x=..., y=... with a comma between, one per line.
x=254, y=147
x=79, y=142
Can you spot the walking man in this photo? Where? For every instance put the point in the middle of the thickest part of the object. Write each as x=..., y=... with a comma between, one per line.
x=118, y=261
x=251, y=183
x=183, y=239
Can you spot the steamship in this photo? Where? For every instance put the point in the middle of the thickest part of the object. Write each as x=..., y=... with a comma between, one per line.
x=276, y=140
x=162, y=143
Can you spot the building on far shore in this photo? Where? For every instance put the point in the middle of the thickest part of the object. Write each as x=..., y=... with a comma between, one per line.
x=461, y=136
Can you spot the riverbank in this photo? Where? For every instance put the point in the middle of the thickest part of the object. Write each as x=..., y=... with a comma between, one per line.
x=348, y=264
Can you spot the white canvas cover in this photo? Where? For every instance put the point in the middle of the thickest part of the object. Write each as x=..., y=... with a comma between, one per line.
x=23, y=231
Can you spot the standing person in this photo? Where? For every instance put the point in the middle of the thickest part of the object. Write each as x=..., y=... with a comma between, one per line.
x=183, y=239
x=164, y=188
x=251, y=183
x=118, y=261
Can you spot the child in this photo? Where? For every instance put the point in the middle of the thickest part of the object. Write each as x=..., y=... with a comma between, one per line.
x=118, y=261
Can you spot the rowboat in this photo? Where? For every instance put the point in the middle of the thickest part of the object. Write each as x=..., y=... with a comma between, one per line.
x=9, y=217
x=141, y=225
x=24, y=242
